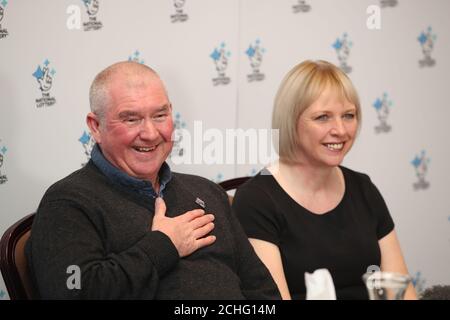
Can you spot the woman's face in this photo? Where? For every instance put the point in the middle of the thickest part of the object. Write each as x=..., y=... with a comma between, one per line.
x=326, y=130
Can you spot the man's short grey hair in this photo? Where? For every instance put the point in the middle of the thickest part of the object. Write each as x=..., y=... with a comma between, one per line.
x=99, y=93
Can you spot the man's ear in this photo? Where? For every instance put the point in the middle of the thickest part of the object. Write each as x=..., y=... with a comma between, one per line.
x=93, y=122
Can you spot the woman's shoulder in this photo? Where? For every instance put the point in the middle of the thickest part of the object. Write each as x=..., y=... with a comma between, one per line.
x=353, y=176
x=262, y=182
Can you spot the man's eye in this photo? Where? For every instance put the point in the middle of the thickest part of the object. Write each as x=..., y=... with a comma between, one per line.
x=131, y=120
x=160, y=117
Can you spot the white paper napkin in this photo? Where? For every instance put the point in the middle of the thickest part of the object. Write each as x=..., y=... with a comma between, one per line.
x=319, y=285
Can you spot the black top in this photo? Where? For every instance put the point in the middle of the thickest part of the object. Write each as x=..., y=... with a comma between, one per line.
x=101, y=226
x=343, y=240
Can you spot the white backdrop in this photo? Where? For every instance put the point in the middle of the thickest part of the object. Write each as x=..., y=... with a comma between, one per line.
x=41, y=128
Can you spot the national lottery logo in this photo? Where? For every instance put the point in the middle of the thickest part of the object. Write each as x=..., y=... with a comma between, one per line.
x=44, y=76
x=382, y=106
x=3, y=32
x=220, y=57
x=135, y=57
x=255, y=55
x=3, y=177
x=177, y=138
x=388, y=3
x=427, y=40
x=179, y=15
x=301, y=6
x=420, y=164
x=92, y=7
x=343, y=46
x=88, y=142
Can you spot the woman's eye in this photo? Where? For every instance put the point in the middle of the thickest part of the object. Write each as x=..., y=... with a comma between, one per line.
x=349, y=116
x=322, y=117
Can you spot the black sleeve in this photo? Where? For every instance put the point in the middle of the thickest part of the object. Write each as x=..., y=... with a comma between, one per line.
x=256, y=281
x=385, y=223
x=63, y=236
x=257, y=214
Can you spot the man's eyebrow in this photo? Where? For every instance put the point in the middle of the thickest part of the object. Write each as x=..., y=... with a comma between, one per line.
x=127, y=113
x=165, y=107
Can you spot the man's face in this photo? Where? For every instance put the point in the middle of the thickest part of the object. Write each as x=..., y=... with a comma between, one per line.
x=135, y=134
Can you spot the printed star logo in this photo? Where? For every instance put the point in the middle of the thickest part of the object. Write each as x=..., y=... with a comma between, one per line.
x=416, y=161
x=338, y=44
x=422, y=38
x=250, y=51
x=378, y=104
x=4, y=3
x=38, y=74
x=84, y=139
x=215, y=55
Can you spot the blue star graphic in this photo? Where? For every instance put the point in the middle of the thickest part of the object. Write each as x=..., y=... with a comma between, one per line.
x=378, y=104
x=84, y=138
x=38, y=74
x=46, y=62
x=4, y=150
x=215, y=55
x=422, y=38
x=4, y=3
x=250, y=51
x=338, y=44
x=53, y=72
x=136, y=53
x=416, y=162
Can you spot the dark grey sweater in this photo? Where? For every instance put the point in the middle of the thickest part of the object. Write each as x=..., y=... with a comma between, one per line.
x=87, y=221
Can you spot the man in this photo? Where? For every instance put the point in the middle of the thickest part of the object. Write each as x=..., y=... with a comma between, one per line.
x=109, y=218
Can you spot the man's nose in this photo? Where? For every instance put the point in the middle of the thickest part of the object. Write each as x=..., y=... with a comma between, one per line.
x=148, y=130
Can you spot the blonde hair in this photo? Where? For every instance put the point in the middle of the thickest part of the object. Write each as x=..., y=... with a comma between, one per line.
x=303, y=85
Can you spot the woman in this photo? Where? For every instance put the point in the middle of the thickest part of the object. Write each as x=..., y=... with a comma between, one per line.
x=308, y=212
